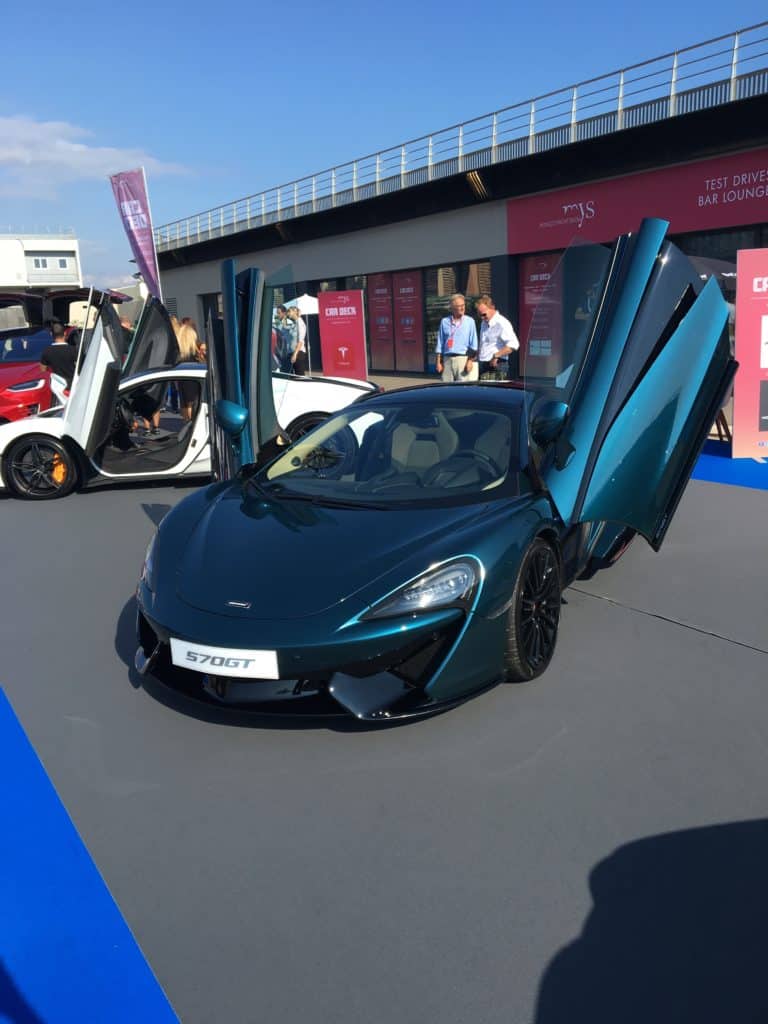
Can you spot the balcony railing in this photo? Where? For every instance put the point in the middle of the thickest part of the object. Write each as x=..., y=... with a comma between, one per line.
x=709, y=74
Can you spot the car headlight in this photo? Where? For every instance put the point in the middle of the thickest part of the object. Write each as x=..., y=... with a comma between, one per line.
x=148, y=569
x=28, y=385
x=447, y=585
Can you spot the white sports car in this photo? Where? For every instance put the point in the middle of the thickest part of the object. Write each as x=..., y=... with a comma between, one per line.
x=120, y=424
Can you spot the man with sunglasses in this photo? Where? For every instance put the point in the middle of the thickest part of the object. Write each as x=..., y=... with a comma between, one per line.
x=497, y=340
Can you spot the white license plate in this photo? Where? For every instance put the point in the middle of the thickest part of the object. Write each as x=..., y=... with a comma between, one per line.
x=225, y=661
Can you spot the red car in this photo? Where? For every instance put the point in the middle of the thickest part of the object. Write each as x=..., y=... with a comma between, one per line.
x=25, y=389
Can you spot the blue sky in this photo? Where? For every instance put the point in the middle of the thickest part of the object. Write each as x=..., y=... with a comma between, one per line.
x=220, y=101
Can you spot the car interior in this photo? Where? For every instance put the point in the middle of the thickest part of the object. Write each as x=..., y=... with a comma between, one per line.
x=410, y=450
x=150, y=432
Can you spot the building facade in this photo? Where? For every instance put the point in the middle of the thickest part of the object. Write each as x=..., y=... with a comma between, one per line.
x=491, y=206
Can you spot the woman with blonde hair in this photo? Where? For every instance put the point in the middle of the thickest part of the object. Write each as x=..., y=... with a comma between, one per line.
x=189, y=352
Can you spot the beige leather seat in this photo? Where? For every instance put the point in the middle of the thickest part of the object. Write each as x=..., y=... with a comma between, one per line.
x=419, y=448
x=496, y=442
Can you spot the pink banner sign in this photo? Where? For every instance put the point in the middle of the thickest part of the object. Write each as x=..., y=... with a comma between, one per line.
x=750, y=393
x=381, y=330
x=130, y=189
x=342, y=334
x=720, y=192
x=409, y=320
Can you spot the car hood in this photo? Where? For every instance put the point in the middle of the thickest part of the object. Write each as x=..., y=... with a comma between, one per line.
x=16, y=373
x=287, y=559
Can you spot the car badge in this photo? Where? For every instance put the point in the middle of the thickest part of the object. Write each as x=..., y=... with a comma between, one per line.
x=238, y=604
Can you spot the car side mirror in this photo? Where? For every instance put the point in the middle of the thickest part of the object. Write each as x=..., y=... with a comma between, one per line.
x=547, y=422
x=230, y=416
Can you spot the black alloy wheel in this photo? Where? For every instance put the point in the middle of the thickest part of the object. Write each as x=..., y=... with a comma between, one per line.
x=534, y=614
x=39, y=468
x=304, y=424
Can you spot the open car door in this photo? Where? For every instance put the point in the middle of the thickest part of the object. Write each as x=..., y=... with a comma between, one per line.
x=154, y=344
x=242, y=408
x=637, y=363
x=89, y=412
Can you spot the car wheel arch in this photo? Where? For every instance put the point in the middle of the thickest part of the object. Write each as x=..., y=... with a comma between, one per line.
x=304, y=423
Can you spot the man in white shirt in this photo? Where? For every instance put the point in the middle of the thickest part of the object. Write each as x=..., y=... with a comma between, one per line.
x=497, y=340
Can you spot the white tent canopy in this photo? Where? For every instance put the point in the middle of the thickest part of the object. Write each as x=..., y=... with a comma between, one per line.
x=306, y=303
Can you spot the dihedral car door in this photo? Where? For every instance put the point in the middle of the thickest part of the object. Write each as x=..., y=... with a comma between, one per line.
x=90, y=409
x=644, y=363
x=154, y=344
x=240, y=370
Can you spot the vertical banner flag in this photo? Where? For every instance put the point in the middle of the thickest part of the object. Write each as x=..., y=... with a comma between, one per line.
x=409, y=320
x=342, y=334
x=130, y=189
x=750, y=393
x=381, y=332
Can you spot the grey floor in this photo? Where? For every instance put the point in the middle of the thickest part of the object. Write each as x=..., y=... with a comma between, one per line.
x=443, y=870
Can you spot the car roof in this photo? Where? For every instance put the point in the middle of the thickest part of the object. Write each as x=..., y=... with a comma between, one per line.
x=483, y=394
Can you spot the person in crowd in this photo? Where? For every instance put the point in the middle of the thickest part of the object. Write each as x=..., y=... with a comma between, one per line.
x=299, y=357
x=286, y=330
x=456, y=349
x=59, y=357
x=189, y=352
x=497, y=341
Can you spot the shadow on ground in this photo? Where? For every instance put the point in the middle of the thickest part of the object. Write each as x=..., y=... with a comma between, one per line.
x=678, y=933
x=13, y=1006
x=201, y=709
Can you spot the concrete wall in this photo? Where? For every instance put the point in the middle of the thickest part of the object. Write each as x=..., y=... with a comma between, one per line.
x=467, y=234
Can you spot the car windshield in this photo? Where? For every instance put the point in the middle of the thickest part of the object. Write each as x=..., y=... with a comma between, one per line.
x=18, y=347
x=409, y=453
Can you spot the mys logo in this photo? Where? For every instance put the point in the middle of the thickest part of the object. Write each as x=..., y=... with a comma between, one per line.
x=583, y=210
x=760, y=285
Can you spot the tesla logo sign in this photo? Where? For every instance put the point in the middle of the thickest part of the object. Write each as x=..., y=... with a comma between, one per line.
x=760, y=285
x=342, y=350
x=579, y=211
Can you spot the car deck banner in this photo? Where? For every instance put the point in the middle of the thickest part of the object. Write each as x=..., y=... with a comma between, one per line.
x=750, y=392
x=130, y=190
x=342, y=334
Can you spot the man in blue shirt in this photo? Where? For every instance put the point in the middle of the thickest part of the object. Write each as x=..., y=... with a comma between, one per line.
x=456, y=348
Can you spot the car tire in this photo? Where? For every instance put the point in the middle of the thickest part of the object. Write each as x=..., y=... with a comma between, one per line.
x=38, y=468
x=533, y=616
x=303, y=424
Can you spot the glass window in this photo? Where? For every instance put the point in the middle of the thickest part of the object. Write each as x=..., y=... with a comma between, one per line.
x=37, y=263
x=62, y=264
x=439, y=285
x=560, y=322
x=401, y=454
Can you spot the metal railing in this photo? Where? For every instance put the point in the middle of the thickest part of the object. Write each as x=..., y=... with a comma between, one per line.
x=721, y=70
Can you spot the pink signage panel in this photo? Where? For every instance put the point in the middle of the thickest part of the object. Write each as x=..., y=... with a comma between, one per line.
x=750, y=394
x=342, y=334
x=409, y=320
x=381, y=328
x=721, y=192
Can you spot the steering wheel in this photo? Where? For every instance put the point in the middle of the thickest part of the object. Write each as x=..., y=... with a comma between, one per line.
x=459, y=463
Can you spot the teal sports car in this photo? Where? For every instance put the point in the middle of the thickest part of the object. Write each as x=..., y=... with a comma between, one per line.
x=411, y=551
